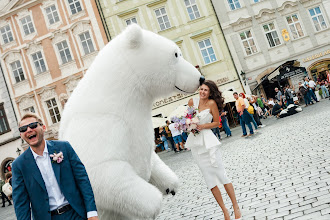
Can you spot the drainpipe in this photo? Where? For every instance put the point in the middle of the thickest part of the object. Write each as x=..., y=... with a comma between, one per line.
x=231, y=57
x=104, y=22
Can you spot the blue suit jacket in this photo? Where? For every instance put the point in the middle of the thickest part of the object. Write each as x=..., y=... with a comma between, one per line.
x=29, y=187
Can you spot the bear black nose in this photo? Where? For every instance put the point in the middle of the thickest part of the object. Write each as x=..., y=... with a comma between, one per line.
x=201, y=80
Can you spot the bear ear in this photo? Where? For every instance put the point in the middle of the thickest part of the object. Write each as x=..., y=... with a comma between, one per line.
x=134, y=36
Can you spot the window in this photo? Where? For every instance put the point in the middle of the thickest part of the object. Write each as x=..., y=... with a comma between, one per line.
x=4, y=127
x=75, y=6
x=27, y=25
x=39, y=62
x=192, y=9
x=29, y=109
x=162, y=19
x=17, y=71
x=64, y=52
x=130, y=21
x=207, y=51
x=7, y=36
x=86, y=42
x=52, y=14
x=255, y=1
x=248, y=42
x=234, y=4
x=271, y=34
x=53, y=110
x=295, y=26
x=318, y=19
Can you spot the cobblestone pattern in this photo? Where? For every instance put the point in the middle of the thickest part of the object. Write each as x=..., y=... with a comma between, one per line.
x=283, y=172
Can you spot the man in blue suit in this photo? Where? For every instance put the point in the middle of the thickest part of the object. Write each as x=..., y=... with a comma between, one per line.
x=49, y=178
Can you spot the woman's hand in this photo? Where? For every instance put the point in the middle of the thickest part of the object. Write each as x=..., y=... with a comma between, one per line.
x=200, y=127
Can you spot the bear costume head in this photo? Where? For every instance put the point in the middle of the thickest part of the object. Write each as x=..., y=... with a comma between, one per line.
x=107, y=120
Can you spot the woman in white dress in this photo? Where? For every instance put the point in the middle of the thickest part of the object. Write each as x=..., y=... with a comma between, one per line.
x=205, y=145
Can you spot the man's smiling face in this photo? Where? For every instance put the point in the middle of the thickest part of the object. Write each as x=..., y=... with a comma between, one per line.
x=33, y=136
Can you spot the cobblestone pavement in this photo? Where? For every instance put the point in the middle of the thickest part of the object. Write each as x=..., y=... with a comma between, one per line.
x=283, y=172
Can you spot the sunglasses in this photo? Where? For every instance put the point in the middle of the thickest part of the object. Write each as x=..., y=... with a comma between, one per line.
x=32, y=125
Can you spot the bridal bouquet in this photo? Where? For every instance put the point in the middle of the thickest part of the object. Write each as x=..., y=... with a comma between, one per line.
x=188, y=122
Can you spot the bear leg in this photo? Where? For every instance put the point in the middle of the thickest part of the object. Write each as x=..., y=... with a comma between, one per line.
x=118, y=189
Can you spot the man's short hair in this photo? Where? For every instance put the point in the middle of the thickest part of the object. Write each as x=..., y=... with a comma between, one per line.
x=31, y=115
x=166, y=121
x=235, y=93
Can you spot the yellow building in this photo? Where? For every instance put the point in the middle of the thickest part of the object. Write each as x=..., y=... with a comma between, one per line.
x=192, y=25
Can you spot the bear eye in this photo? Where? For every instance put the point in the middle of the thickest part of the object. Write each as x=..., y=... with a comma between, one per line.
x=176, y=54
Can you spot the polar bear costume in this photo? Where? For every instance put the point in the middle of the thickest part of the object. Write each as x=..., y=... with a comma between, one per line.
x=107, y=120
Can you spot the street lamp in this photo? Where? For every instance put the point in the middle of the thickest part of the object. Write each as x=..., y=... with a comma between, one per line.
x=18, y=151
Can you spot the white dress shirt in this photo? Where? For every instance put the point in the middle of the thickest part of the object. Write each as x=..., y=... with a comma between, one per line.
x=55, y=195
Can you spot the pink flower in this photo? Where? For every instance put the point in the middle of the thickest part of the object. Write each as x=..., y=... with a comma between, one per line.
x=58, y=158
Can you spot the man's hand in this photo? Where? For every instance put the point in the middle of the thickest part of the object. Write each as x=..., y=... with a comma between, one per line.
x=241, y=113
x=93, y=218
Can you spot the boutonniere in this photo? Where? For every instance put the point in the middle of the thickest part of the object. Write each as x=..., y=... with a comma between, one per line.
x=58, y=158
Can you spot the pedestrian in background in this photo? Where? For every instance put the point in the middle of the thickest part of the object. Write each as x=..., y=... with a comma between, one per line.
x=310, y=86
x=304, y=92
x=243, y=115
x=3, y=195
x=224, y=123
x=176, y=133
x=169, y=135
x=163, y=134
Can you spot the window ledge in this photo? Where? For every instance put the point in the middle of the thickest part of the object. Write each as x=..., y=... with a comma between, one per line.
x=90, y=54
x=196, y=19
x=321, y=31
x=237, y=9
x=21, y=83
x=54, y=26
x=9, y=44
x=62, y=66
x=300, y=38
x=77, y=15
x=251, y=55
x=40, y=75
x=276, y=47
x=168, y=29
x=30, y=36
x=210, y=63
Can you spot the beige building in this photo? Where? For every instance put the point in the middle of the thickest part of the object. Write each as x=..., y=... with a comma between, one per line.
x=192, y=25
x=45, y=48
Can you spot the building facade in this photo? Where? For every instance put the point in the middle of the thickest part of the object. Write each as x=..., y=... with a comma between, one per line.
x=45, y=48
x=263, y=35
x=10, y=141
x=192, y=25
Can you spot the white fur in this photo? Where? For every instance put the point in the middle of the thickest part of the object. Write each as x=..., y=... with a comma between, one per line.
x=108, y=121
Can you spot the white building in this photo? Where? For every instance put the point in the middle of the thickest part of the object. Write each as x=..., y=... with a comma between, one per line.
x=263, y=34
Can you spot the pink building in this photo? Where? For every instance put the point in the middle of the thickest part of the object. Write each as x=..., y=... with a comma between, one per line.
x=46, y=47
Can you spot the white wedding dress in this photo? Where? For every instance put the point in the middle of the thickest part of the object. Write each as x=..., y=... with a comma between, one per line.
x=205, y=150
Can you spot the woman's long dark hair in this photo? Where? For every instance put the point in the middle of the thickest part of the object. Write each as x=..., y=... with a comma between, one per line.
x=215, y=94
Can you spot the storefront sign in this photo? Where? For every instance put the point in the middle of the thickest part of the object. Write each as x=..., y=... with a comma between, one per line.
x=290, y=71
x=315, y=56
x=178, y=97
